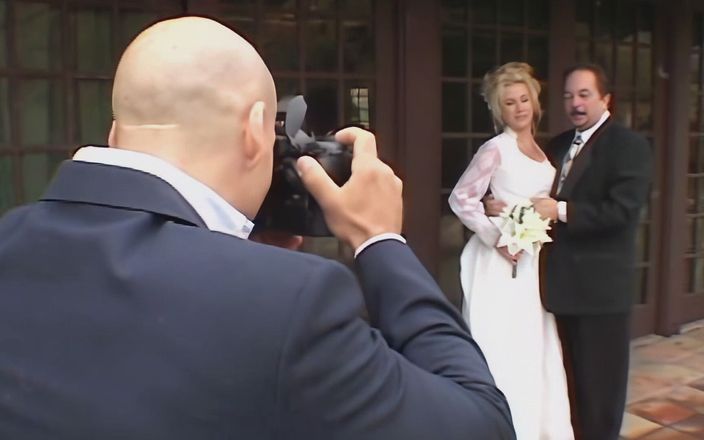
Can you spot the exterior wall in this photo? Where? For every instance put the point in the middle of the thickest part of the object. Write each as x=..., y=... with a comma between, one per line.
x=409, y=70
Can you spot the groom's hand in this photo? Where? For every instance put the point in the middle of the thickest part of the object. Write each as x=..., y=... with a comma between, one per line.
x=546, y=207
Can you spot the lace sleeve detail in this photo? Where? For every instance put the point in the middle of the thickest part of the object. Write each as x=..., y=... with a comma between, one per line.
x=466, y=198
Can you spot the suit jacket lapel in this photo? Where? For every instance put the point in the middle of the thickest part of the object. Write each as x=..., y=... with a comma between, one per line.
x=106, y=185
x=579, y=164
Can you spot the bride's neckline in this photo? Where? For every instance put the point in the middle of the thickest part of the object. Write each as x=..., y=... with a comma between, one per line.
x=513, y=135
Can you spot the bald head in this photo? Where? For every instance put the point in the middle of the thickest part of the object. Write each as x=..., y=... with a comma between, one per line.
x=185, y=71
x=193, y=92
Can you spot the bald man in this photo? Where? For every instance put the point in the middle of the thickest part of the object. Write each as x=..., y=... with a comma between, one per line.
x=133, y=305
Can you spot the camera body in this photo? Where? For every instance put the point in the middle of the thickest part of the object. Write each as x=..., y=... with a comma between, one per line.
x=288, y=206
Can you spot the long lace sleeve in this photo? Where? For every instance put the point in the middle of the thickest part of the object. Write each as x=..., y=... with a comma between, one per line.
x=466, y=198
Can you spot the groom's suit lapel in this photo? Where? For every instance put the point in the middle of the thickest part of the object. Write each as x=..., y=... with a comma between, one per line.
x=579, y=165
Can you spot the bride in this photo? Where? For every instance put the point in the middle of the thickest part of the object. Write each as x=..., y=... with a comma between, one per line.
x=505, y=315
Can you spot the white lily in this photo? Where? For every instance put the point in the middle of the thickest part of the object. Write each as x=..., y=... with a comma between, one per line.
x=523, y=229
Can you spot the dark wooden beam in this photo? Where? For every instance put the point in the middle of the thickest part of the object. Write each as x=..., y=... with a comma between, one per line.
x=419, y=125
x=673, y=160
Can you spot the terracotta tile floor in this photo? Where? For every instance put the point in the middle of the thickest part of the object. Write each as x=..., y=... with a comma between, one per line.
x=666, y=387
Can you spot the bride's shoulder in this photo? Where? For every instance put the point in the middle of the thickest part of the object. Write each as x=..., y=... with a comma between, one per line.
x=499, y=142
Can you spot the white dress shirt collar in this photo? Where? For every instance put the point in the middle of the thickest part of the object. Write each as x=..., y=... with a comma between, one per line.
x=217, y=214
x=586, y=134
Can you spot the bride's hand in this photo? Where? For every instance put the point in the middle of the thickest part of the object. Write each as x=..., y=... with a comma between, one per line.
x=513, y=259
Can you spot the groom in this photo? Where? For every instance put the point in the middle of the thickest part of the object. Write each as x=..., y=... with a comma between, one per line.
x=601, y=185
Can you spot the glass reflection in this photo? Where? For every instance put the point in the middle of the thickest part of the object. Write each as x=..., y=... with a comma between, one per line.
x=454, y=161
x=132, y=23
x=41, y=112
x=624, y=64
x=454, y=51
x=321, y=45
x=358, y=48
x=483, y=53
x=4, y=113
x=454, y=107
x=454, y=10
x=358, y=105
x=95, y=112
x=3, y=34
x=38, y=35
x=93, y=40
x=279, y=44
x=349, y=8
x=481, y=116
x=7, y=196
x=511, y=12
x=511, y=48
x=484, y=12
x=37, y=169
x=321, y=97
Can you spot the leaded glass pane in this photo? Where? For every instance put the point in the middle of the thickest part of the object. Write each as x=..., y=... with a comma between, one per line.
x=4, y=114
x=38, y=35
x=454, y=51
x=455, y=158
x=359, y=103
x=358, y=47
x=95, y=112
x=7, y=196
x=321, y=97
x=279, y=44
x=321, y=46
x=93, y=41
x=454, y=107
x=41, y=112
x=37, y=170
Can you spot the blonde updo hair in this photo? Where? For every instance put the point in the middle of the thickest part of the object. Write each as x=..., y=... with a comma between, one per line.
x=496, y=81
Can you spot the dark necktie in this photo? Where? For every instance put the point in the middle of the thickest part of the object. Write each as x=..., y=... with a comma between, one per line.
x=569, y=159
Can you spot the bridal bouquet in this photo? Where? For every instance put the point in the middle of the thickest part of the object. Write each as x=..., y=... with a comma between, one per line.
x=523, y=230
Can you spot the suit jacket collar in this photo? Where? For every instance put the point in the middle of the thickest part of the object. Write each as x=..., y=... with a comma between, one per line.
x=579, y=164
x=117, y=187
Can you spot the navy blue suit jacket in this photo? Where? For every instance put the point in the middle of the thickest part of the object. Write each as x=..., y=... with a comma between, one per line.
x=122, y=316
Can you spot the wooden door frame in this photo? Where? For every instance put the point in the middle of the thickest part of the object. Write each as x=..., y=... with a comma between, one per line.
x=678, y=307
x=419, y=117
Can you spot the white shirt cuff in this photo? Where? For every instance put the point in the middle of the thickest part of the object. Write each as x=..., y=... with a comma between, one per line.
x=377, y=238
x=562, y=211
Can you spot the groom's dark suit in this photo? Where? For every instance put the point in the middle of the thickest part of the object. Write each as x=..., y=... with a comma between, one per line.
x=588, y=277
x=122, y=316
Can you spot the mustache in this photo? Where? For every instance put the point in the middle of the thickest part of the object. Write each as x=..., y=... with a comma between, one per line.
x=577, y=113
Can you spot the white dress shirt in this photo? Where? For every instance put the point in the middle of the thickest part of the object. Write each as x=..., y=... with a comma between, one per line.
x=217, y=214
x=585, y=135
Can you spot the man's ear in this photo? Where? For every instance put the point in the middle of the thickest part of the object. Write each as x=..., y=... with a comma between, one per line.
x=112, y=137
x=607, y=101
x=255, y=133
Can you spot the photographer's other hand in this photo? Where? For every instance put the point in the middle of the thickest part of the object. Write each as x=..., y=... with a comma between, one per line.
x=370, y=203
x=493, y=207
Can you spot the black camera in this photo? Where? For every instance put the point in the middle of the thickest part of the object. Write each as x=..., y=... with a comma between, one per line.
x=288, y=206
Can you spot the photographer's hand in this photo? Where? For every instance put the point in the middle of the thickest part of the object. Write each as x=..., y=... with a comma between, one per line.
x=369, y=203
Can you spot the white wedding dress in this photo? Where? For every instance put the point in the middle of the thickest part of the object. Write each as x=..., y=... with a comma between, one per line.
x=505, y=314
